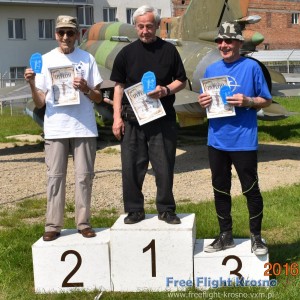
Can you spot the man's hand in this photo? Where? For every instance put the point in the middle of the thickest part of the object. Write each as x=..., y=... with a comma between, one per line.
x=118, y=128
x=29, y=76
x=238, y=100
x=159, y=92
x=204, y=100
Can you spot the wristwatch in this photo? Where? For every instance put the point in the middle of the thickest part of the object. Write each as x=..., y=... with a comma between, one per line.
x=168, y=91
x=88, y=93
x=250, y=102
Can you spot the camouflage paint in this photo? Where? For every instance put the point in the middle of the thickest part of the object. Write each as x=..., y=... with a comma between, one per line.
x=195, y=30
x=99, y=41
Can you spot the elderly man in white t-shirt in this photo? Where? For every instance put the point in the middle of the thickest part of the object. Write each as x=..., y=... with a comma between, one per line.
x=68, y=85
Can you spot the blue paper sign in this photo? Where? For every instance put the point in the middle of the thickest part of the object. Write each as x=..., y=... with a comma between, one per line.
x=225, y=91
x=149, y=82
x=36, y=62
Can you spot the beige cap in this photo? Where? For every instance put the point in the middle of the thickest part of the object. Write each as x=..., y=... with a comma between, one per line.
x=66, y=21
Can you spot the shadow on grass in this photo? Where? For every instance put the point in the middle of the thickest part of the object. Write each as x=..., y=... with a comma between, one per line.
x=20, y=149
x=285, y=252
x=282, y=132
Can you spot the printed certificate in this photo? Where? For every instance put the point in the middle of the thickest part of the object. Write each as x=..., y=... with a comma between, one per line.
x=146, y=109
x=62, y=86
x=218, y=107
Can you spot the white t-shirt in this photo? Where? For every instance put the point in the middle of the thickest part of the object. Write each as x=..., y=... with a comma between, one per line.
x=69, y=121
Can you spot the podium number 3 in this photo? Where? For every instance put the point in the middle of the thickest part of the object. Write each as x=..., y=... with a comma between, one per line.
x=153, y=256
x=239, y=266
x=66, y=282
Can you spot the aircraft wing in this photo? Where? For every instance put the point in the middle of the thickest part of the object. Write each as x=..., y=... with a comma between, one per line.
x=190, y=113
x=193, y=34
x=273, y=112
x=14, y=93
x=285, y=89
x=105, y=74
x=187, y=108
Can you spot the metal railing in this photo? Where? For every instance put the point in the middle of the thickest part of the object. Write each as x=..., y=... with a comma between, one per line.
x=13, y=107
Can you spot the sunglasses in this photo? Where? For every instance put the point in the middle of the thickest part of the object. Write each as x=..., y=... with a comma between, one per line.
x=69, y=33
x=226, y=41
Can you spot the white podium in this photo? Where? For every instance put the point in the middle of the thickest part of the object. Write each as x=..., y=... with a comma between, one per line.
x=72, y=262
x=228, y=267
x=152, y=255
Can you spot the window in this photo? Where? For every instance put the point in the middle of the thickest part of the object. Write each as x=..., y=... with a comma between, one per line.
x=85, y=15
x=46, y=29
x=16, y=29
x=129, y=13
x=16, y=72
x=295, y=18
x=109, y=14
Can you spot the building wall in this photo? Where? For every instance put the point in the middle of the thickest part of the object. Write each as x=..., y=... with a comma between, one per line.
x=16, y=53
x=179, y=7
x=276, y=23
x=164, y=5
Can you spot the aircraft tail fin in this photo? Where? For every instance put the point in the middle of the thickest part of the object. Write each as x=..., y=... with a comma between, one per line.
x=202, y=19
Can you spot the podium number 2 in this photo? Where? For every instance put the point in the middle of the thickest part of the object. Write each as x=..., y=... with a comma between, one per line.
x=153, y=257
x=66, y=282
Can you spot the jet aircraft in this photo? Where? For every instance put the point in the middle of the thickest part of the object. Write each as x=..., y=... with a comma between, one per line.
x=193, y=34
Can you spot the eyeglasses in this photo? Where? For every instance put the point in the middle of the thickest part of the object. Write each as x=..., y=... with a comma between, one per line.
x=226, y=41
x=69, y=33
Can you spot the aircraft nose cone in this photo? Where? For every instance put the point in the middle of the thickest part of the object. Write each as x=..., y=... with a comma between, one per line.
x=257, y=38
x=252, y=37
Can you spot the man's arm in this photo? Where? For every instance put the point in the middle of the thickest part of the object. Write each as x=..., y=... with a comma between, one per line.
x=241, y=100
x=94, y=94
x=38, y=95
x=258, y=102
x=118, y=125
x=170, y=89
x=175, y=86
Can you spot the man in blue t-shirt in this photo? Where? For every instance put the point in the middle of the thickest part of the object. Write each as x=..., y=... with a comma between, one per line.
x=232, y=140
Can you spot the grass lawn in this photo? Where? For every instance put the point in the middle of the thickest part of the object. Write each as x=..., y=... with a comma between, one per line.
x=23, y=226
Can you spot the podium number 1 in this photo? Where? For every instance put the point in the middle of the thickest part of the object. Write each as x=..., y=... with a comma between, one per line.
x=153, y=257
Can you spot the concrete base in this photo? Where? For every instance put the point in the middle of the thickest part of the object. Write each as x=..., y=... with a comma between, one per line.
x=212, y=270
x=72, y=262
x=152, y=254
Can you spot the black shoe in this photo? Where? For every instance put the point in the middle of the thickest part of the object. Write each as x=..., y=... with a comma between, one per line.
x=49, y=236
x=224, y=241
x=169, y=217
x=134, y=217
x=87, y=232
x=258, y=247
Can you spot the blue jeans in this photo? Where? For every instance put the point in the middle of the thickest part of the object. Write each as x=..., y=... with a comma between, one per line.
x=245, y=163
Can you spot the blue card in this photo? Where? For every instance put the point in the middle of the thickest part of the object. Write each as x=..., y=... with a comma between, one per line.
x=36, y=62
x=149, y=82
x=225, y=91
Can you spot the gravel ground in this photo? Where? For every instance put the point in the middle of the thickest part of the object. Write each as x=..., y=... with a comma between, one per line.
x=23, y=174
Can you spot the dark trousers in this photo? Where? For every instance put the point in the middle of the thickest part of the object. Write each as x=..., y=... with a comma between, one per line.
x=245, y=163
x=154, y=142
